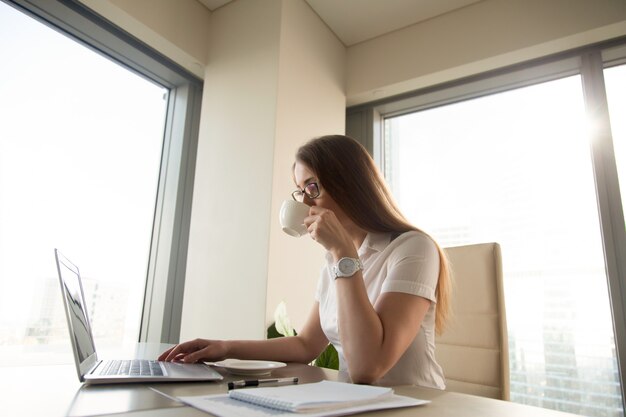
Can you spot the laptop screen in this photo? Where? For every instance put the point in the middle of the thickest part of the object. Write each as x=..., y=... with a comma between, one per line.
x=72, y=289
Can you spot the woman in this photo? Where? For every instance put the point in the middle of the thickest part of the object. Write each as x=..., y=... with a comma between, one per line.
x=385, y=289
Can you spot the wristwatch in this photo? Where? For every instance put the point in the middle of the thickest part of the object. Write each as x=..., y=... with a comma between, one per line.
x=346, y=267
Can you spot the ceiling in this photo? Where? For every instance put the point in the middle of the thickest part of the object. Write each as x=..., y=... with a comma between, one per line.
x=355, y=21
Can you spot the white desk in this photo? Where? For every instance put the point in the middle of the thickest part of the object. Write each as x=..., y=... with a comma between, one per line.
x=57, y=392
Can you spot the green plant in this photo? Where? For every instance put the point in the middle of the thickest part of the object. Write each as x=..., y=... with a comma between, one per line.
x=273, y=333
x=329, y=358
x=282, y=327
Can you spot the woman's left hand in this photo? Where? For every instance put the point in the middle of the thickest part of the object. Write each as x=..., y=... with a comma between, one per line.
x=324, y=227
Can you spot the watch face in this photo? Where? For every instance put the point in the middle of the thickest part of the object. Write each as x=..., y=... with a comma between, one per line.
x=346, y=266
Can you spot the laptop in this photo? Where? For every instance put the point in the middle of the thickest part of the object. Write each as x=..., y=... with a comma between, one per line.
x=90, y=369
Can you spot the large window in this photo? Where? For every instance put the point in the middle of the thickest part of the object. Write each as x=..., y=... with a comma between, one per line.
x=91, y=155
x=514, y=158
x=79, y=166
x=514, y=168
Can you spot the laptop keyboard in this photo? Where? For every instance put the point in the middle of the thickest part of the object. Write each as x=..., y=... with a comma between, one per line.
x=135, y=367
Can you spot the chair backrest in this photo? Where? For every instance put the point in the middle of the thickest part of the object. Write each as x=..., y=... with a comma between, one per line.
x=473, y=350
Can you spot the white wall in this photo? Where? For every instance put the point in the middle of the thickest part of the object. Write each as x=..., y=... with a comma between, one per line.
x=311, y=102
x=275, y=78
x=484, y=36
x=226, y=283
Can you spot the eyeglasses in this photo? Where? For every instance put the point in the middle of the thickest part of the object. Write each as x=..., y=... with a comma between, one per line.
x=311, y=190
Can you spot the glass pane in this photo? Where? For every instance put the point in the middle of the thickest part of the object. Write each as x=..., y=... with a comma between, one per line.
x=515, y=168
x=80, y=154
x=615, y=79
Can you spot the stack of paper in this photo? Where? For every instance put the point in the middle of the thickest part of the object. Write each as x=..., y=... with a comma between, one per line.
x=320, y=399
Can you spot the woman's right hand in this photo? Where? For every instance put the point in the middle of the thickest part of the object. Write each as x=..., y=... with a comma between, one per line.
x=195, y=350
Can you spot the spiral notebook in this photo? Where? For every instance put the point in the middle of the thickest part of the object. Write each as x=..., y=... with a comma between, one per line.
x=319, y=396
x=320, y=399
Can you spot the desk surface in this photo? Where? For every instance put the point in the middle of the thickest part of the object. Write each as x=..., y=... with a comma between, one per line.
x=56, y=391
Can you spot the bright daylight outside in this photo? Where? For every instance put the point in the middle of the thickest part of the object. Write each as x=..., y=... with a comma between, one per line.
x=80, y=153
x=515, y=168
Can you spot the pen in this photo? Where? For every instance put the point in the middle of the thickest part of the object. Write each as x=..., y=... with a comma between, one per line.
x=257, y=382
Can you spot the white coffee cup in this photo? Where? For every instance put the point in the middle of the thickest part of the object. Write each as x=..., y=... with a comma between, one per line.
x=292, y=214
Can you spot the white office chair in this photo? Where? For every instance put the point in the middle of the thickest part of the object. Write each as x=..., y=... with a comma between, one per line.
x=473, y=350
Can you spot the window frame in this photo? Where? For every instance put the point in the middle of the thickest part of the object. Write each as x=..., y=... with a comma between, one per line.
x=165, y=274
x=365, y=123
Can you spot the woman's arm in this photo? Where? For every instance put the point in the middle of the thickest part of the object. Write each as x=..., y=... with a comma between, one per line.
x=303, y=348
x=373, y=337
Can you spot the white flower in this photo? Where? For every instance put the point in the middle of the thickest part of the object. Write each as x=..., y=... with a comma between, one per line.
x=281, y=320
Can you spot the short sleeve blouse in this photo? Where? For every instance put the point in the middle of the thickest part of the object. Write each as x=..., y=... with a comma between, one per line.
x=408, y=264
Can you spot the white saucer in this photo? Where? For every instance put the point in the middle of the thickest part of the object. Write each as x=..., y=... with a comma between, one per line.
x=249, y=367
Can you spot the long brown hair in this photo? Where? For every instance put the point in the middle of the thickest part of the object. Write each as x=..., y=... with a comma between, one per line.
x=348, y=173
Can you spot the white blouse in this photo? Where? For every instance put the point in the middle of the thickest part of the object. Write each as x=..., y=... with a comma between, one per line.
x=408, y=264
